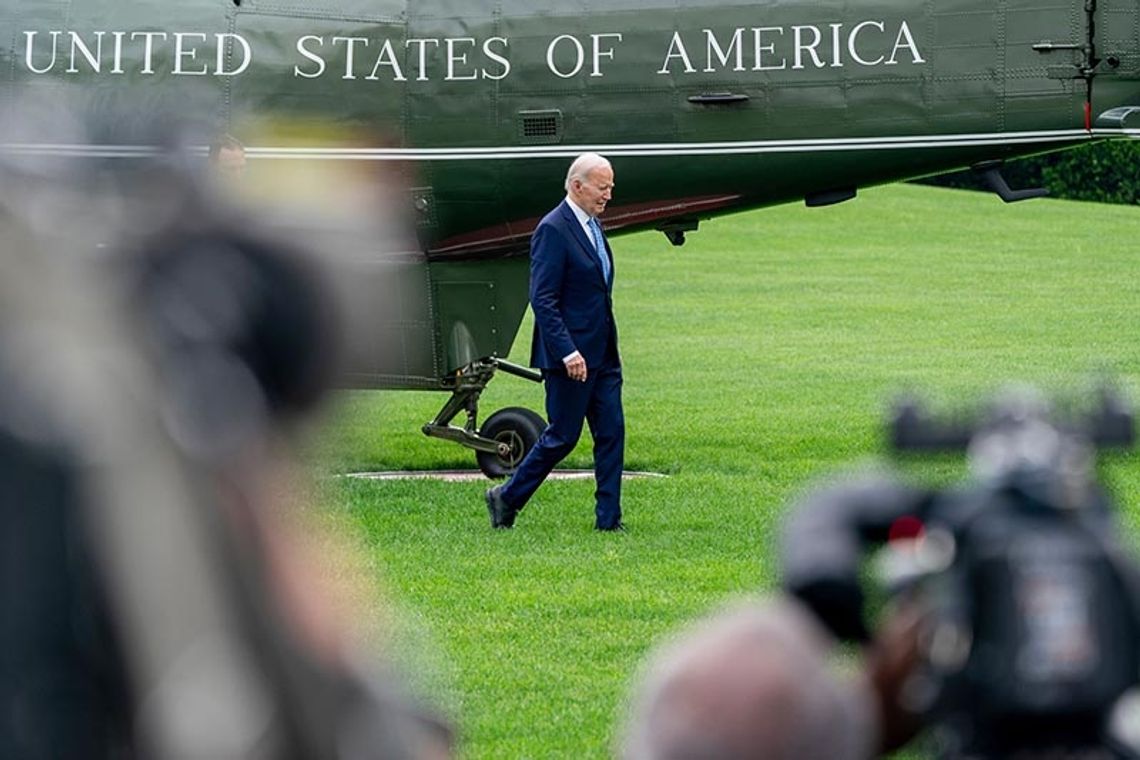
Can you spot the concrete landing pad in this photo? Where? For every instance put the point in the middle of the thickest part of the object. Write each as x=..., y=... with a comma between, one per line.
x=464, y=475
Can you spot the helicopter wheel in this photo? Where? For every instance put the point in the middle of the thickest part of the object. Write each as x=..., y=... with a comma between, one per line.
x=516, y=426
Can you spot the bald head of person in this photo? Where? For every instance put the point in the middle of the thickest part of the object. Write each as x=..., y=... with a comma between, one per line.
x=752, y=682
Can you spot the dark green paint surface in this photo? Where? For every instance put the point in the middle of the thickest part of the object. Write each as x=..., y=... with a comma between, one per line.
x=618, y=76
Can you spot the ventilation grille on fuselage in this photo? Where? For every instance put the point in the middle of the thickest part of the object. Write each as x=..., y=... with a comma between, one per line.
x=540, y=127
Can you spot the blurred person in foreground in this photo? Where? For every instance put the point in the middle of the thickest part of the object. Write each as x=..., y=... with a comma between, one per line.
x=751, y=682
x=157, y=597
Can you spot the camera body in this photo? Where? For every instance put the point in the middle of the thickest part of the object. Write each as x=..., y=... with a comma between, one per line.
x=1032, y=633
x=1031, y=615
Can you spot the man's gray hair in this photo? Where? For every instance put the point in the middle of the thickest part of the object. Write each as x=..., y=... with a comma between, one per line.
x=753, y=682
x=583, y=165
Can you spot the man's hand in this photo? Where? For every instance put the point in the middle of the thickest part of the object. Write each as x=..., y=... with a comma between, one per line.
x=890, y=660
x=575, y=367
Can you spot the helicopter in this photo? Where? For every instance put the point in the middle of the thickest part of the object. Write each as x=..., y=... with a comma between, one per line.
x=704, y=109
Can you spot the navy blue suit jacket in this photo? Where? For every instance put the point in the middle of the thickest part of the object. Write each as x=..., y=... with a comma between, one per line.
x=572, y=302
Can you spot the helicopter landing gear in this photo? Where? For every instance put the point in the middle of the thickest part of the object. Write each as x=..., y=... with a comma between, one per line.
x=507, y=435
x=518, y=428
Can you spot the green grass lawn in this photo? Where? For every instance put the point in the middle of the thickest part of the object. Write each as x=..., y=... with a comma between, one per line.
x=758, y=357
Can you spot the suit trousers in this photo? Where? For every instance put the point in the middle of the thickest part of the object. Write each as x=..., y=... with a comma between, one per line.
x=569, y=403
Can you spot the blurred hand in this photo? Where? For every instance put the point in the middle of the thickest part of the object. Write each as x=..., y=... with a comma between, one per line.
x=891, y=658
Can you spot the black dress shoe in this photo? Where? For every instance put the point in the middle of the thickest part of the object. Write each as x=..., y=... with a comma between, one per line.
x=618, y=526
x=502, y=514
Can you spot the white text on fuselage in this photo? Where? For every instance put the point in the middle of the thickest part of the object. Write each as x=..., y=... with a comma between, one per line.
x=773, y=48
x=867, y=43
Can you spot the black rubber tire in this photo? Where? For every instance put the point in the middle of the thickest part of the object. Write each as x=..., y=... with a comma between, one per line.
x=515, y=425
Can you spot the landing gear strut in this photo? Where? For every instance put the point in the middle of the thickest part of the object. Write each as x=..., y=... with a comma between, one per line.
x=505, y=437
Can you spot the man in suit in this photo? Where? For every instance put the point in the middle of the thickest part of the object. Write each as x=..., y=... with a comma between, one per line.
x=575, y=345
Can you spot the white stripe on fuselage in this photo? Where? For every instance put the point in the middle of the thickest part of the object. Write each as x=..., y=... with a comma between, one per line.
x=756, y=147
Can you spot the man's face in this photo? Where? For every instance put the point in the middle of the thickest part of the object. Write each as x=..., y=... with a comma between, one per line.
x=595, y=192
x=231, y=162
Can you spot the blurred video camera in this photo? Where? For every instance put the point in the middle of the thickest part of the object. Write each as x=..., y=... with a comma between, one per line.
x=1029, y=637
